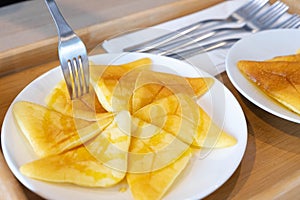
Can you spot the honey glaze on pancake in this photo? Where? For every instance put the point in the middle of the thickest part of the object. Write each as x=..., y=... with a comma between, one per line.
x=278, y=79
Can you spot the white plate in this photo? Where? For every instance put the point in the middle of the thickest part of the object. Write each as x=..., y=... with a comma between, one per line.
x=206, y=172
x=261, y=46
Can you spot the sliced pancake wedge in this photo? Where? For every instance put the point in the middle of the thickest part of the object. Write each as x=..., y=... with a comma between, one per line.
x=154, y=185
x=279, y=80
x=151, y=85
x=288, y=58
x=50, y=132
x=182, y=117
x=156, y=158
x=152, y=148
x=86, y=107
x=106, y=79
x=77, y=166
x=112, y=145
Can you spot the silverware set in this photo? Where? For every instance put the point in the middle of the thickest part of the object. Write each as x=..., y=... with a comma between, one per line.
x=203, y=36
x=207, y=35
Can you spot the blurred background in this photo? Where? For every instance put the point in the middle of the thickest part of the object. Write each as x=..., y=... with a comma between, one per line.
x=8, y=2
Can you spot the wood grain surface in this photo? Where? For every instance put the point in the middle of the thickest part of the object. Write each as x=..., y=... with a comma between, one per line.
x=44, y=51
x=270, y=168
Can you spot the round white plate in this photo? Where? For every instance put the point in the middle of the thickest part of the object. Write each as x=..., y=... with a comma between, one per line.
x=206, y=172
x=262, y=46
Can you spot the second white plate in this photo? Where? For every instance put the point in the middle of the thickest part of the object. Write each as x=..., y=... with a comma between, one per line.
x=262, y=46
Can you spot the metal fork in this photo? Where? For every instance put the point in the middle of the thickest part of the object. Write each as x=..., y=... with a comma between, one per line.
x=72, y=54
x=263, y=21
x=292, y=22
x=240, y=15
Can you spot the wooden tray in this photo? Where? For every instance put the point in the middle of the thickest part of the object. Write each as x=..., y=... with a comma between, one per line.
x=15, y=75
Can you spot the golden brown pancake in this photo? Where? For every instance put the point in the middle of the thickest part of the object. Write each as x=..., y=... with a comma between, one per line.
x=106, y=79
x=50, y=132
x=112, y=145
x=288, y=58
x=280, y=80
x=152, y=86
x=86, y=107
x=77, y=166
x=152, y=148
x=182, y=117
x=154, y=185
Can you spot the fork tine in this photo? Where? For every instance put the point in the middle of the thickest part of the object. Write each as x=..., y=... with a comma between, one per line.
x=288, y=23
x=274, y=13
x=252, y=7
x=240, y=13
x=74, y=79
x=85, y=73
x=268, y=11
x=295, y=24
x=249, y=6
x=67, y=76
x=270, y=15
x=78, y=77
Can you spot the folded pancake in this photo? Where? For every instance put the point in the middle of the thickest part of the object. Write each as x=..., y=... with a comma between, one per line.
x=288, y=58
x=152, y=148
x=112, y=145
x=50, y=132
x=156, y=159
x=106, y=79
x=154, y=185
x=280, y=80
x=151, y=86
x=77, y=166
x=86, y=107
x=186, y=120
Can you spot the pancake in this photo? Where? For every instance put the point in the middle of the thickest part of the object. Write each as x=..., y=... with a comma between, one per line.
x=105, y=80
x=152, y=148
x=151, y=86
x=50, y=132
x=154, y=185
x=288, y=58
x=112, y=145
x=278, y=79
x=156, y=159
x=77, y=166
x=87, y=107
x=186, y=120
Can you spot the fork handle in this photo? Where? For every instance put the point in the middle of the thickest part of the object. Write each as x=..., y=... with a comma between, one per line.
x=62, y=26
x=155, y=42
x=182, y=55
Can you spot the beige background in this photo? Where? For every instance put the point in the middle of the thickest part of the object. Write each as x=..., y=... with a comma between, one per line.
x=30, y=21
